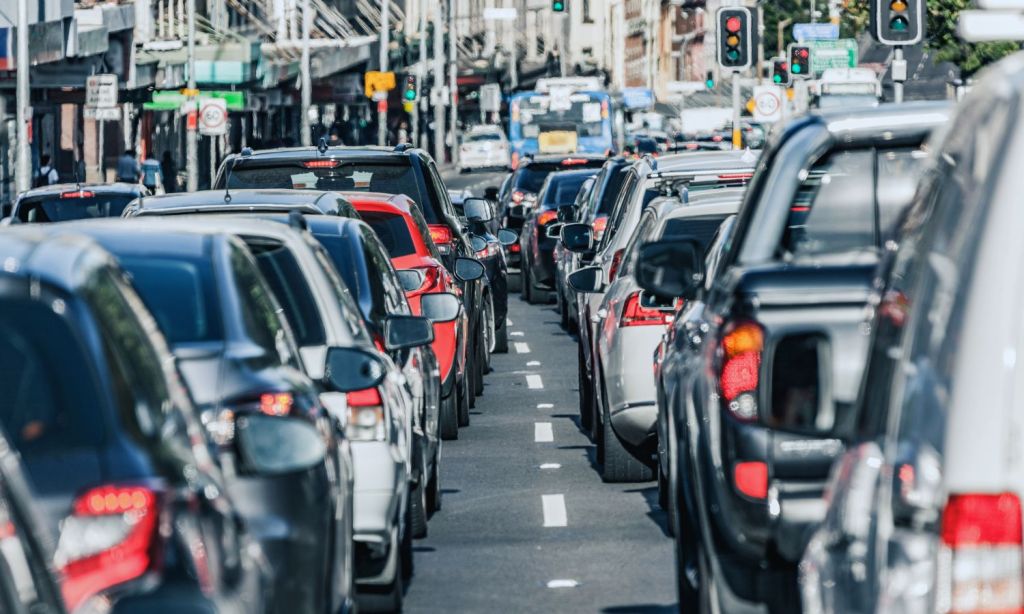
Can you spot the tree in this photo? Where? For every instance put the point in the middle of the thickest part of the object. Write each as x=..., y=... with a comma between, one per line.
x=942, y=38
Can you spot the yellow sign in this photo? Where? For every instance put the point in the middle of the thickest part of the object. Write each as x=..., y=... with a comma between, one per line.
x=376, y=81
x=557, y=141
x=187, y=92
x=751, y=106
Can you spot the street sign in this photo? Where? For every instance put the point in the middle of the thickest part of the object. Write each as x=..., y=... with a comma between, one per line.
x=106, y=115
x=841, y=53
x=767, y=103
x=101, y=91
x=501, y=14
x=213, y=116
x=637, y=98
x=490, y=97
x=815, y=31
x=376, y=81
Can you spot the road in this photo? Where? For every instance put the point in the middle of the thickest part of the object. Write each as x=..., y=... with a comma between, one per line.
x=527, y=524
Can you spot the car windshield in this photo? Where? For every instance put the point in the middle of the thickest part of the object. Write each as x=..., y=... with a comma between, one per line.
x=393, y=232
x=78, y=205
x=483, y=136
x=563, y=190
x=181, y=293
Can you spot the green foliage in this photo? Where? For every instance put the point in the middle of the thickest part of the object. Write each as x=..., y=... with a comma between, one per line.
x=942, y=38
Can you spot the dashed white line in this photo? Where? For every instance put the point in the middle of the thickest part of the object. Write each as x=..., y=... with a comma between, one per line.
x=534, y=382
x=543, y=433
x=554, y=510
x=533, y=363
x=551, y=466
x=508, y=322
x=563, y=583
x=517, y=333
x=544, y=405
x=522, y=347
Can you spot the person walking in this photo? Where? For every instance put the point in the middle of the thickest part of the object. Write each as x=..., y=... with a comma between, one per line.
x=128, y=168
x=169, y=170
x=46, y=175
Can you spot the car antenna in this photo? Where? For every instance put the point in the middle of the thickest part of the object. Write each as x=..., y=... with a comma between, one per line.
x=322, y=145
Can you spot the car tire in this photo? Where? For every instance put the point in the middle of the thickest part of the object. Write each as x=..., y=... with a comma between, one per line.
x=563, y=310
x=692, y=577
x=418, y=510
x=389, y=597
x=528, y=288
x=515, y=283
x=619, y=463
x=501, y=337
x=462, y=400
x=434, y=488
x=586, y=394
x=448, y=420
x=481, y=366
x=524, y=266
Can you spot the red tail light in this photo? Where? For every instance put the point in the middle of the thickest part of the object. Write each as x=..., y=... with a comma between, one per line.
x=110, y=538
x=515, y=162
x=379, y=343
x=751, y=479
x=635, y=314
x=431, y=281
x=980, y=565
x=78, y=194
x=441, y=235
x=546, y=217
x=276, y=403
x=613, y=270
x=365, y=416
x=322, y=164
x=574, y=161
x=741, y=363
x=515, y=248
x=600, y=223
x=517, y=196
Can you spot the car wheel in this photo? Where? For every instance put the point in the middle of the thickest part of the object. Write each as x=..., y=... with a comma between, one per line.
x=434, y=487
x=389, y=597
x=586, y=395
x=619, y=463
x=515, y=283
x=463, y=399
x=448, y=421
x=418, y=509
x=531, y=288
x=501, y=337
x=666, y=500
x=563, y=310
x=481, y=365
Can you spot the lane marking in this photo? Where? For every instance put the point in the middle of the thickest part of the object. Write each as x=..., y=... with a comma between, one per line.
x=517, y=333
x=550, y=466
x=534, y=382
x=544, y=405
x=563, y=583
x=522, y=347
x=533, y=363
x=554, y=510
x=508, y=322
x=543, y=433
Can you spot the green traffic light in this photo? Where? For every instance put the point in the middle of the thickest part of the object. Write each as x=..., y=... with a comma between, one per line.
x=410, y=94
x=777, y=78
x=710, y=84
x=899, y=23
x=558, y=6
x=732, y=55
x=796, y=68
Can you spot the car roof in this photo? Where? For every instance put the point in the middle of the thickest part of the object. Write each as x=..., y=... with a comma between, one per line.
x=706, y=160
x=721, y=208
x=31, y=250
x=567, y=175
x=206, y=201
x=128, y=189
x=141, y=236
x=715, y=196
x=329, y=153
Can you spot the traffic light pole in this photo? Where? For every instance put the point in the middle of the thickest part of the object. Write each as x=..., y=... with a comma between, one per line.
x=385, y=32
x=737, y=139
x=899, y=74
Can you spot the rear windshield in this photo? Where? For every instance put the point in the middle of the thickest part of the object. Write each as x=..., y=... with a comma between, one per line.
x=182, y=295
x=485, y=136
x=531, y=178
x=50, y=402
x=702, y=229
x=288, y=283
x=61, y=209
x=563, y=191
x=392, y=231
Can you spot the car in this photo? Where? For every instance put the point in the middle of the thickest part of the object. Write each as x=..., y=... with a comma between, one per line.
x=74, y=201
x=238, y=357
x=518, y=194
x=537, y=246
x=400, y=170
x=924, y=507
x=490, y=243
x=561, y=256
x=634, y=324
x=754, y=375
x=116, y=455
x=313, y=202
x=483, y=147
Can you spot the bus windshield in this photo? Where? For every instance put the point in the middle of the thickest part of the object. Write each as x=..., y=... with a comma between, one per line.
x=581, y=112
x=560, y=121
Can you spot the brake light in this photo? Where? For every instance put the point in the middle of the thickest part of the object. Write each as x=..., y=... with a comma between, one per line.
x=574, y=161
x=613, y=270
x=365, y=416
x=321, y=164
x=515, y=160
x=517, y=196
x=735, y=176
x=546, y=217
x=489, y=251
x=276, y=403
x=110, y=538
x=741, y=363
x=441, y=235
x=600, y=223
x=515, y=248
x=980, y=561
x=78, y=194
x=635, y=314
x=378, y=343
x=751, y=479
x=604, y=109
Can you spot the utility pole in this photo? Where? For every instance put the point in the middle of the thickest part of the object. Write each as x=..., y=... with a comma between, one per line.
x=305, y=134
x=899, y=73
x=382, y=105
x=435, y=92
x=192, y=122
x=453, y=88
x=23, y=164
x=421, y=76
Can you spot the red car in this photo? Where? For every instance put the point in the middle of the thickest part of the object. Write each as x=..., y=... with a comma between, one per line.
x=402, y=228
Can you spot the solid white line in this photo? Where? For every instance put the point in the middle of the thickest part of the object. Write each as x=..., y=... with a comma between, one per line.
x=542, y=432
x=534, y=382
x=544, y=405
x=563, y=583
x=522, y=347
x=554, y=510
x=517, y=333
x=533, y=363
x=550, y=466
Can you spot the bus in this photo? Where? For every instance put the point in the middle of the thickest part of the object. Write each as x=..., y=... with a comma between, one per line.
x=559, y=120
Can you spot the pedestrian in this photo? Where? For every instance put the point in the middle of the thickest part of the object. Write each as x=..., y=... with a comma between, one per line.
x=46, y=175
x=169, y=170
x=403, y=133
x=128, y=168
x=335, y=139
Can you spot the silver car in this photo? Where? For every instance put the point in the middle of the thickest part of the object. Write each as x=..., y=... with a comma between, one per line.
x=484, y=147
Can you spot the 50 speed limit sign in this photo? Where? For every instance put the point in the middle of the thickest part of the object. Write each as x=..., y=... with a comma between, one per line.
x=768, y=103
x=213, y=116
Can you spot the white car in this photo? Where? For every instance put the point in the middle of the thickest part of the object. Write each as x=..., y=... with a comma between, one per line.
x=484, y=147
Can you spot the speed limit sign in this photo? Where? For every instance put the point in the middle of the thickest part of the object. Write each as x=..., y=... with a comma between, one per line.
x=768, y=101
x=213, y=116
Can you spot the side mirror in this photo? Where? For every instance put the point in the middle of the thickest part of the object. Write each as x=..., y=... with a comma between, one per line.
x=275, y=445
x=411, y=279
x=566, y=213
x=477, y=210
x=553, y=231
x=468, y=269
x=440, y=307
x=508, y=237
x=349, y=369
x=403, y=332
x=577, y=238
x=670, y=268
x=587, y=279
x=478, y=243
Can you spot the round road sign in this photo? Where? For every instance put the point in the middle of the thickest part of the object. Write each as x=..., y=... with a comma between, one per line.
x=213, y=116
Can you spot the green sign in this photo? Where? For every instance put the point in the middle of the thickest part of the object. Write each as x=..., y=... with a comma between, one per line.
x=840, y=53
x=171, y=100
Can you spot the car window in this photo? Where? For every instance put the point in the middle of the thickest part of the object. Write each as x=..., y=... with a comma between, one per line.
x=392, y=231
x=701, y=228
x=441, y=206
x=482, y=136
x=718, y=247
x=181, y=293
x=530, y=178
x=610, y=192
x=643, y=233
x=619, y=209
x=562, y=190
x=287, y=281
x=384, y=289
x=345, y=297
x=77, y=205
x=424, y=230
x=261, y=315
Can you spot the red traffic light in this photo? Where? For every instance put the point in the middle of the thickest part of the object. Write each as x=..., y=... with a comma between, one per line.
x=733, y=24
x=801, y=53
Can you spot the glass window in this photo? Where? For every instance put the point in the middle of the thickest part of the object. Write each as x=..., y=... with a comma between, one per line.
x=424, y=230
x=346, y=299
x=382, y=300
x=531, y=178
x=260, y=312
x=563, y=190
x=482, y=136
x=78, y=205
x=644, y=232
x=285, y=277
x=702, y=229
x=392, y=231
x=619, y=210
x=181, y=293
x=606, y=200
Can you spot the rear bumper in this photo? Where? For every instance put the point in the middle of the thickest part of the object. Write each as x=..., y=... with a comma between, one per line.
x=542, y=261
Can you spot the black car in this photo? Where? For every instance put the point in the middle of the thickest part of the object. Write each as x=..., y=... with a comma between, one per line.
x=74, y=201
x=538, y=267
x=314, y=202
x=115, y=451
x=239, y=358
x=402, y=170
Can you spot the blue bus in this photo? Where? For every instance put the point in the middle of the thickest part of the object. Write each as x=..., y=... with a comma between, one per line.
x=560, y=120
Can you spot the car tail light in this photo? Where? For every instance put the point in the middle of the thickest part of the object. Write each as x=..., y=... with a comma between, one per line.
x=517, y=196
x=635, y=314
x=613, y=270
x=735, y=176
x=365, y=416
x=432, y=282
x=441, y=235
x=489, y=251
x=980, y=561
x=276, y=403
x=751, y=479
x=515, y=248
x=741, y=363
x=109, y=538
x=322, y=164
x=574, y=161
x=78, y=194
x=546, y=217
x=600, y=223
x=515, y=160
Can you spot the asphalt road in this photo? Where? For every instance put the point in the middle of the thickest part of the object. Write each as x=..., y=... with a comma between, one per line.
x=527, y=524
x=475, y=181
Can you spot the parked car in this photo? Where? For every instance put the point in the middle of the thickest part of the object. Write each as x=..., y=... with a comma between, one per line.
x=115, y=453
x=402, y=170
x=923, y=510
x=484, y=147
x=757, y=398
x=538, y=267
x=74, y=201
x=239, y=358
x=311, y=202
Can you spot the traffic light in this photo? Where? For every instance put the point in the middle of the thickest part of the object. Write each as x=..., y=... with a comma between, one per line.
x=735, y=37
x=557, y=6
x=709, y=80
x=800, y=61
x=780, y=71
x=897, y=22
x=410, y=89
